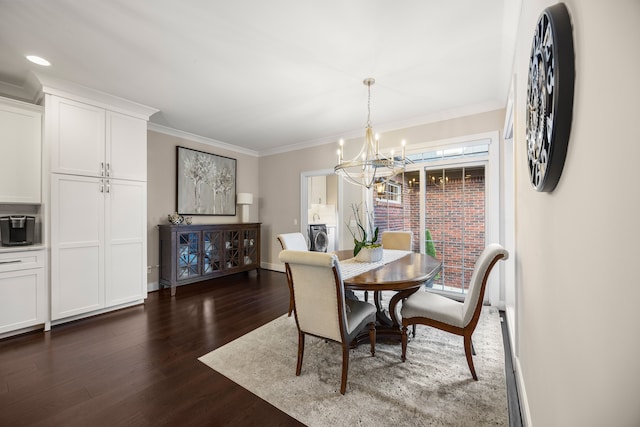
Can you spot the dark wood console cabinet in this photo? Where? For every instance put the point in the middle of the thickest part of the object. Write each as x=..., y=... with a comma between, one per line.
x=191, y=253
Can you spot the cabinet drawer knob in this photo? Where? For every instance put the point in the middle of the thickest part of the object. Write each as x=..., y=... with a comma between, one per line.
x=13, y=261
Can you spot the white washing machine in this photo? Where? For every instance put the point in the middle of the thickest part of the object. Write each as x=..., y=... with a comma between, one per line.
x=318, y=237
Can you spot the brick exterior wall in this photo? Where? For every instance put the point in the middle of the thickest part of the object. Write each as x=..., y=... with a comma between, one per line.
x=454, y=209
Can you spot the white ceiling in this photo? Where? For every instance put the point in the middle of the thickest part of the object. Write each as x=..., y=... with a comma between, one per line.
x=264, y=75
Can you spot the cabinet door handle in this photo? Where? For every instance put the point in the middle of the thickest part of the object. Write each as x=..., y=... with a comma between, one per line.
x=13, y=261
x=108, y=187
x=108, y=169
x=101, y=186
x=101, y=168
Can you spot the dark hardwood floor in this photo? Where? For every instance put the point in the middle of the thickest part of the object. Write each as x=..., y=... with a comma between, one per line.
x=139, y=367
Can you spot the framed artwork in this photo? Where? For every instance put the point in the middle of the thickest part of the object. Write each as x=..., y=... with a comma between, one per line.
x=206, y=183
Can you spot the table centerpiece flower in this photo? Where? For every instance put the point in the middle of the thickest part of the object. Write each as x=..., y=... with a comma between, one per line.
x=365, y=236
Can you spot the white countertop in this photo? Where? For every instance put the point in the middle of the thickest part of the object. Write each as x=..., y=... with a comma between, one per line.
x=34, y=247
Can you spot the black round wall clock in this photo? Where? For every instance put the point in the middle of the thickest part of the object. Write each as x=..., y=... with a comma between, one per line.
x=550, y=97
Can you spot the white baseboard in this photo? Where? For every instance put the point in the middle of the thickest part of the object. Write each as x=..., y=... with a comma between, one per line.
x=274, y=267
x=23, y=331
x=153, y=286
x=522, y=394
x=96, y=312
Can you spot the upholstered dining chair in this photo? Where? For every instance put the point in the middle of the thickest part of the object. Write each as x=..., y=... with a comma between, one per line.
x=397, y=240
x=321, y=308
x=293, y=242
x=427, y=308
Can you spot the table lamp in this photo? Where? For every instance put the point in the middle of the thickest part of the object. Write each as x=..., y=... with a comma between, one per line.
x=244, y=200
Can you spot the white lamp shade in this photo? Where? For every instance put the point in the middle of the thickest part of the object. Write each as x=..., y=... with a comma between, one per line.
x=245, y=198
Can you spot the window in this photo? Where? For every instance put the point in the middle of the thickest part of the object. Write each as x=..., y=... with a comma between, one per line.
x=442, y=199
x=389, y=191
x=455, y=222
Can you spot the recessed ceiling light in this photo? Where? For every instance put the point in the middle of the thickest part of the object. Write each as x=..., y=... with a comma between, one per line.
x=38, y=60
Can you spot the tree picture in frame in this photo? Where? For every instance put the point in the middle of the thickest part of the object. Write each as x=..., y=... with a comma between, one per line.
x=206, y=183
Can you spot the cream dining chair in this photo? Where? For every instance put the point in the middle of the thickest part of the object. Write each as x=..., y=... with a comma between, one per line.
x=321, y=308
x=293, y=242
x=397, y=240
x=427, y=308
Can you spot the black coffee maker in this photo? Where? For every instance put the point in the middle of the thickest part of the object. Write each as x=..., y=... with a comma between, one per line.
x=17, y=230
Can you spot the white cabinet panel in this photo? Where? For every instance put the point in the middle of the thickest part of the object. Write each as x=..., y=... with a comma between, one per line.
x=77, y=245
x=126, y=147
x=23, y=295
x=77, y=133
x=20, y=152
x=126, y=248
x=98, y=203
x=78, y=287
x=98, y=243
x=92, y=141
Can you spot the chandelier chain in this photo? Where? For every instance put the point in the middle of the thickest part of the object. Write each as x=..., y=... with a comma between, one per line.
x=368, y=104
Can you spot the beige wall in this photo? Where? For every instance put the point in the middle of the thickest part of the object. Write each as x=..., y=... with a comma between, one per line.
x=280, y=174
x=161, y=188
x=578, y=321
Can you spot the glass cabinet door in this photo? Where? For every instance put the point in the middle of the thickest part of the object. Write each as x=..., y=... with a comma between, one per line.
x=231, y=251
x=211, y=252
x=188, y=262
x=249, y=245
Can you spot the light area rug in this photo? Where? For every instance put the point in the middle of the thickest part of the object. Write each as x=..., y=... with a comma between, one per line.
x=432, y=388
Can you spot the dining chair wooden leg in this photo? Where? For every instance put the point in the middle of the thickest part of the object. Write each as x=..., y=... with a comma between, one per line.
x=291, y=300
x=345, y=367
x=372, y=337
x=467, y=352
x=404, y=343
x=300, y=352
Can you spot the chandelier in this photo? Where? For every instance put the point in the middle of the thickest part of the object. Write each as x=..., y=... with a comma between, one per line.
x=369, y=167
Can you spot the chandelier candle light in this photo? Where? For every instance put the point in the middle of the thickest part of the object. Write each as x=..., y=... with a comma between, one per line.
x=363, y=168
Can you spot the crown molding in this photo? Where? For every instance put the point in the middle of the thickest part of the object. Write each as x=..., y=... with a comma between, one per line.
x=27, y=92
x=201, y=139
x=391, y=126
x=66, y=89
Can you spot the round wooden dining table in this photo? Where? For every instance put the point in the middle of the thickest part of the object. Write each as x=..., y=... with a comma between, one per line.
x=404, y=276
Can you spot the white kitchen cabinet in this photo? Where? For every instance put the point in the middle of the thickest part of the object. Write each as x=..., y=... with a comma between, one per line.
x=20, y=152
x=126, y=151
x=126, y=242
x=97, y=210
x=23, y=296
x=98, y=244
x=90, y=140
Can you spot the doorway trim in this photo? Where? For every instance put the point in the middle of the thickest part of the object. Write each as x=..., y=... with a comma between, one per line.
x=304, y=196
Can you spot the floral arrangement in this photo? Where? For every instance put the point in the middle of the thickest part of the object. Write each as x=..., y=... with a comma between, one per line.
x=363, y=237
